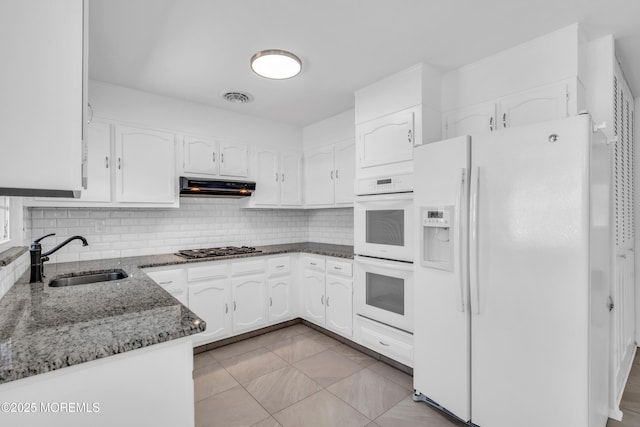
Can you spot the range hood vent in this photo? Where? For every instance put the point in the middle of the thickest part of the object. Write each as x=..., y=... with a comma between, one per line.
x=199, y=187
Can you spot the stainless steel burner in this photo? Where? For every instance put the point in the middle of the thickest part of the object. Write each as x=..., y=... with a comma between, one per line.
x=216, y=252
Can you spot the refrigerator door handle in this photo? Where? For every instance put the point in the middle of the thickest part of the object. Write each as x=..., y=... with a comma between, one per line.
x=460, y=226
x=473, y=243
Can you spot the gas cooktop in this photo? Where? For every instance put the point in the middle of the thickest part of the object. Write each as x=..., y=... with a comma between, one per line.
x=216, y=252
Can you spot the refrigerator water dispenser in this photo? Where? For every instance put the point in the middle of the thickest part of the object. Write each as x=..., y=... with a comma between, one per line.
x=437, y=237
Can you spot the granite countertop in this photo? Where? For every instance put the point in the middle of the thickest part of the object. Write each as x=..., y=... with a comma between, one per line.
x=44, y=328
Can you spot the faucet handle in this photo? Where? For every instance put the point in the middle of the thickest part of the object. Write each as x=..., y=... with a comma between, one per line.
x=48, y=235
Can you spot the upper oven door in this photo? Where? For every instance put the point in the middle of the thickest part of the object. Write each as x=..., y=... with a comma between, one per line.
x=383, y=226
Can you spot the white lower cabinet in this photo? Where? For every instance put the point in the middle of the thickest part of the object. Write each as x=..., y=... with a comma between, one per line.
x=171, y=280
x=249, y=303
x=209, y=298
x=328, y=297
x=391, y=342
x=279, y=299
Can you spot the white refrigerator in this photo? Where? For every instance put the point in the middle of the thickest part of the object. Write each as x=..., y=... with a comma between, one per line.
x=511, y=275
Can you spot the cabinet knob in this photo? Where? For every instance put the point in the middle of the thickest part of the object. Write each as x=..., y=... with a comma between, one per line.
x=119, y=163
x=331, y=174
x=106, y=162
x=214, y=157
x=222, y=157
x=276, y=176
x=491, y=123
x=327, y=301
x=410, y=135
x=504, y=120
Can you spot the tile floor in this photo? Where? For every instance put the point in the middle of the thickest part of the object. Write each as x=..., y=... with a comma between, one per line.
x=299, y=377
x=630, y=404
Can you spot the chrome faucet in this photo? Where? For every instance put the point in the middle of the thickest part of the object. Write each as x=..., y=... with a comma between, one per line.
x=38, y=258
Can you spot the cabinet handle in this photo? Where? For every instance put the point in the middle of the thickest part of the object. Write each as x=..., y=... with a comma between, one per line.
x=119, y=163
x=226, y=308
x=337, y=268
x=322, y=300
x=491, y=123
x=280, y=266
x=331, y=174
x=336, y=173
x=214, y=157
x=313, y=263
x=222, y=157
x=327, y=301
x=410, y=135
x=234, y=306
x=276, y=176
x=384, y=344
x=90, y=111
x=165, y=283
x=106, y=162
x=270, y=302
x=504, y=120
x=281, y=177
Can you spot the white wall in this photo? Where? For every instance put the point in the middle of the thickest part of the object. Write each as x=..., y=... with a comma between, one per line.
x=119, y=103
x=331, y=226
x=338, y=128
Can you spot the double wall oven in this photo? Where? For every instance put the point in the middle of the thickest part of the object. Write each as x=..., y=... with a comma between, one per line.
x=383, y=243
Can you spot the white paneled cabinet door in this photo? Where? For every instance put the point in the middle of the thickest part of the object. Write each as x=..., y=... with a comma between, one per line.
x=470, y=120
x=386, y=140
x=313, y=296
x=200, y=156
x=267, y=177
x=249, y=303
x=339, y=303
x=279, y=299
x=210, y=301
x=233, y=159
x=144, y=165
x=345, y=172
x=319, y=176
x=539, y=105
x=291, y=179
x=99, y=163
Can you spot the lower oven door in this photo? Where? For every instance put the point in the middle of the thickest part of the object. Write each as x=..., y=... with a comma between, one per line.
x=383, y=291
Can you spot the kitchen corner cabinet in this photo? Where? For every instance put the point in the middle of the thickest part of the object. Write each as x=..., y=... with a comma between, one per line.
x=210, y=157
x=43, y=86
x=329, y=174
x=278, y=178
x=532, y=106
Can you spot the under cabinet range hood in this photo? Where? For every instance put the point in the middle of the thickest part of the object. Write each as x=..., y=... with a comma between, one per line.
x=35, y=192
x=199, y=187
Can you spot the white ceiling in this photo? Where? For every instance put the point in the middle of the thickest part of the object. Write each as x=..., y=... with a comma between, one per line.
x=198, y=49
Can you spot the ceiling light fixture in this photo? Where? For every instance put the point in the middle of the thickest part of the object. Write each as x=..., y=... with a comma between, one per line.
x=276, y=64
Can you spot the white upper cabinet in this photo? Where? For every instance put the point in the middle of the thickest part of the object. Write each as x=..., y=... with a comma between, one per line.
x=472, y=120
x=319, y=176
x=144, y=165
x=200, y=156
x=345, y=172
x=267, y=176
x=539, y=105
x=42, y=96
x=99, y=163
x=278, y=178
x=386, y=140
x=291, y=179
x=234, y=159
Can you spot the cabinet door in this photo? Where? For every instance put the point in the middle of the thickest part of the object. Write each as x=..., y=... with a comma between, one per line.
x=319, y=177
x=539, y=105
x=233, y=159
x=200, y=156
x=41, y=94
x=339, y=305
x=471, y=120
x=249, y=303
x=345, y=172
x=313, y=295
x=144, y=166
x=267, y=177
x=291, y=179
x=209, y=299
x=279, y=299
x=99, y=163
x=386, y=140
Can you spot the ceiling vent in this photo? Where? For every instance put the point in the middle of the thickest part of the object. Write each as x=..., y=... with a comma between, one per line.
x=237, y=97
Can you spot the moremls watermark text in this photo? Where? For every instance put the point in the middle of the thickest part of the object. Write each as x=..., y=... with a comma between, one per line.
x=50, y=407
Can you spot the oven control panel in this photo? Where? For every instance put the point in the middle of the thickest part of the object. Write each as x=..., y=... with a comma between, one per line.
x=384, y=184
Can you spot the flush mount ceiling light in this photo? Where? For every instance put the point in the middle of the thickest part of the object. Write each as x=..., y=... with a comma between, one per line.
x=276, y=64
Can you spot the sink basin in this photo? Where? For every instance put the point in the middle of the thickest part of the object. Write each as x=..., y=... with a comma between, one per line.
x=86, y=278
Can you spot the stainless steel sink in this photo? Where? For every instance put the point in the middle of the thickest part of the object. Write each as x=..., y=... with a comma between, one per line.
x=86, y=278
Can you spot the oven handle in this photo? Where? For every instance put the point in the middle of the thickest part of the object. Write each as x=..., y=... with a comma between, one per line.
x=372, y=198
x=383, y=264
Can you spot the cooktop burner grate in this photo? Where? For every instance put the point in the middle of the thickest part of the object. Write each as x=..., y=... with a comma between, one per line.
x=216, y=252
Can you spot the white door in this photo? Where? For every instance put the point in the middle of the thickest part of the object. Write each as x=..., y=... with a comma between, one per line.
x=249, y=303
x=210, y=301
x=442, y=354
x=319, y=177
x=144, y=166
x=200, y=156
x=386, y=140
x=529, y=275
x=313, y=296
x=291, y=179
x=99, y=163
x=233, y=159
x=279, y=299
x=267, y=177
x=345, y=172
x=339, y=304
x=539, y=105
x=470, y=120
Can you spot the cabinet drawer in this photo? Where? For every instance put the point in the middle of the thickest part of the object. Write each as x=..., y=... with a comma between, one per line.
x=280, y=265
x=248, y=267
x=313, y=263
x=388, y=341
x=339, y=268
x=167, y=278
x=207, y=272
